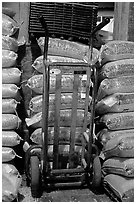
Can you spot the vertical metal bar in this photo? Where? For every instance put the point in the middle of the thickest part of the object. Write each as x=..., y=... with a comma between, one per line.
x=45, y=105
x=73, y=118
x=57, y=121
x=88, y=72
x=94, y=91
x=45, y=113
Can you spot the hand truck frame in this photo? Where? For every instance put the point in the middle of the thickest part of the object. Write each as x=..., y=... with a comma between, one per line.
x=38, y=168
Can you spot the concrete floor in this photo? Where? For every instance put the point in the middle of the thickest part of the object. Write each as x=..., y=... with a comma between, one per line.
x=63, y=195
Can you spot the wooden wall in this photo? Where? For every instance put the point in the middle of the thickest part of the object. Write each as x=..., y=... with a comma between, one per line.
x=123, y=21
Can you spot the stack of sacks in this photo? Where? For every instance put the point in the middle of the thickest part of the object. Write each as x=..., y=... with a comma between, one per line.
x=115, y=110
x=11, y=178
x=59, y=51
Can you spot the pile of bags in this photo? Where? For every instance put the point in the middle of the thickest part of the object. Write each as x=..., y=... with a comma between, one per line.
x=115, y=123
x=58, y=51
x=11, y=178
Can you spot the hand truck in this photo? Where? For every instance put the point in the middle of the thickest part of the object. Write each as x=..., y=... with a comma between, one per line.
x=81, y=164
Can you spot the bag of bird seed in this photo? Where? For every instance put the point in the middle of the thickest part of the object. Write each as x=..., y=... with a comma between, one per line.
x=10, y=138
x=39, y=66
x=115, y=69
x=10, y=122
x=9, y=43
x=65, y=118
x=9, y=105
x=10, y=91
x=8, y=154
x=124, y=84
x=105, y=135
x=115, y=103
x=8, y=11
x=120, y=188
x=119, y=166
x=117, y=121
x=65, y=48
x=11, y=76
x=11, y=181
x=8, y=58
x=35, y=83
x=35, y=104
x=119, y=147
x=9, y=26
x=116, y=50
x=64, y=135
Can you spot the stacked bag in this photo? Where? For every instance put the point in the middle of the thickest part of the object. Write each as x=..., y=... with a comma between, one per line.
x=11, y=178
x=115, y=123
x=58, y=51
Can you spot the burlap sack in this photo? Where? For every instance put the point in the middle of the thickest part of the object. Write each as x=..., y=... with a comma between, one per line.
x=64, y=135
x=8, y=11
x=10, y=139
x=9, y=26
x=65, y=118
x=11, y=76
x=39, y=66
x=35, y=104
x=120, y=188
x=8, y=154
x=105, y=135
x=8, y=58
x=117, y=69
x=124, y=84
x=9, y=43
x=10, y=91
x=116, y=103
x=116, y=50
x=10, y=122
x=117, y=121
x=11, y=181
x=9, y=105
x=119, y=147
x=119, y=166
x=35, y=83
x=69, y=49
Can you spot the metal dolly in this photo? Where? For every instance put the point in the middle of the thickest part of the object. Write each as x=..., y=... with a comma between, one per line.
x=47, y=171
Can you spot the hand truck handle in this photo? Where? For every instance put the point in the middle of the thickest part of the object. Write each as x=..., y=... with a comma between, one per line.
x=100, y=26
x=44, y=25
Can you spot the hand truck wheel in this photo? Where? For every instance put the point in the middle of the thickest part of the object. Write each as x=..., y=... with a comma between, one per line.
x=96, y=180
x=36, y=189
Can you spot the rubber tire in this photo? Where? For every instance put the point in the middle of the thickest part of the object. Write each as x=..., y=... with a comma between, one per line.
x=36, y=190
x=97, y=174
